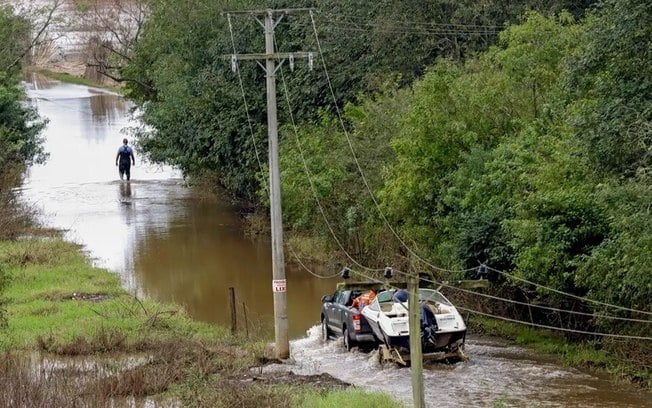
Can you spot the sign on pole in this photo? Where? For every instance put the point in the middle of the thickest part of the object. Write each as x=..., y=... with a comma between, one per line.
x=278, y=285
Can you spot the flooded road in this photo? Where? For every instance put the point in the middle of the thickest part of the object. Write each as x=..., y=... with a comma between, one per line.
x=496, y=375
x=172, y=243
x=166, y=241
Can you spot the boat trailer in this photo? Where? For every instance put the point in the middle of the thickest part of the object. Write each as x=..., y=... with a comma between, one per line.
x=402, y=357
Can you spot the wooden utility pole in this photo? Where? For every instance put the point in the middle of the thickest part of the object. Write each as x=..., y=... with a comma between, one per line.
x=416, y=355
x=279, y=285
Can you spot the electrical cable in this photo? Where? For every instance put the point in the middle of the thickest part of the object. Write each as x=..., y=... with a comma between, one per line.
x=390, y=30
x=309, y=176
x=246, y=106
x=316, y=275
x=330, y=16
x=371, y=28
x=543, y=326
x=486, y=295
x=568, y=294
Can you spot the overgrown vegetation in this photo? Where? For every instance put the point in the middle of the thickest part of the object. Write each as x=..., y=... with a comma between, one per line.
x=528, y=149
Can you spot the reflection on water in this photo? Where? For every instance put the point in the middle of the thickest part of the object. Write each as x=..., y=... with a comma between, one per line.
x=163, y=239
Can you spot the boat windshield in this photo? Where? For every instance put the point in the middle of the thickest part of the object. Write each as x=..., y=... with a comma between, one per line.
x=433, y=296
x=385, y=296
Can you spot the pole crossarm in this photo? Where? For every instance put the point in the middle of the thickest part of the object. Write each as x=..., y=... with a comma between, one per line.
x=274, y=55
x=270, y=11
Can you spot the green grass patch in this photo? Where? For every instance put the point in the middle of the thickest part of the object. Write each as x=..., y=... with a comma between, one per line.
x=73, y=79
x=348, y=398
x=53, y=292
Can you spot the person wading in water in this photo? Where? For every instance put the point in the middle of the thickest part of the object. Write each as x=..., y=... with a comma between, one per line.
x=124, y=159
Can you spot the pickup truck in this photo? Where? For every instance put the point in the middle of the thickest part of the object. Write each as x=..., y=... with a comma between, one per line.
x=339, y=318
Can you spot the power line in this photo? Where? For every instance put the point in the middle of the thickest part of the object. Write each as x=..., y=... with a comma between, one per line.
x=352, y=18
x=246, y=106
x=371, y=28
x=316, y=275
x=528, y=304
x=407, y=30
x=543, y=326
x=568, y=294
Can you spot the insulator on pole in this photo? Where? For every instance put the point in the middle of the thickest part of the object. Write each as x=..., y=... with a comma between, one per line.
x=234, y=63
x=310, y=61
x=291, y=61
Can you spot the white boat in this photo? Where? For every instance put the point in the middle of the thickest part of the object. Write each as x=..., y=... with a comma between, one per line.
x=443, y=330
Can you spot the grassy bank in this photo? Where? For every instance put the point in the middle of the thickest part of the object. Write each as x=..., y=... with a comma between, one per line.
x=74, y=79
x=59, y=306
x=597, y=355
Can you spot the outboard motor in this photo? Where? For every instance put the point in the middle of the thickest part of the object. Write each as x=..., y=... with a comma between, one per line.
x=428, y=326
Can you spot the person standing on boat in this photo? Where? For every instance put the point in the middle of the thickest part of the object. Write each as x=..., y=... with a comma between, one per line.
x=125, y=159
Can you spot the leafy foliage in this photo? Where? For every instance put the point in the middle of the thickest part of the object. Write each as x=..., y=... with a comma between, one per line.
x=612, y=78
x=527, y=149
x=192, y=104
x=20, y=143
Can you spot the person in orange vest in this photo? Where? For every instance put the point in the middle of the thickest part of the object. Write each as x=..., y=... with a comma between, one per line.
x=363, y=300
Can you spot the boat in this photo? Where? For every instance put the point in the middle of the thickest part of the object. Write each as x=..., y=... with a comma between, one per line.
x=443, y=330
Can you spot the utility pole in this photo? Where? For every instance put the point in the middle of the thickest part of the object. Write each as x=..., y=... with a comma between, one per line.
x=416, y=355
x=279, y=284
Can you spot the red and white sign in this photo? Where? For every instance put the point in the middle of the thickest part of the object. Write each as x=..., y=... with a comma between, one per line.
x=279, y=285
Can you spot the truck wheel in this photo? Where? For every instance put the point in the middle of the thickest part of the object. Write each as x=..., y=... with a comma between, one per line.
x=348, y=342
x=325, y=333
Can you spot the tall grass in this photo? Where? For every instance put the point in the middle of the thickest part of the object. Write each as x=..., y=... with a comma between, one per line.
x=353, y=398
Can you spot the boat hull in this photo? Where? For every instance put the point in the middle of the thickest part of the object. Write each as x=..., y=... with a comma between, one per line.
x=443, y=341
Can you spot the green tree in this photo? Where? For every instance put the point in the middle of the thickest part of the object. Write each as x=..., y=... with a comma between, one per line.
x=459, y=117
x=20, y=126
x=611, y=81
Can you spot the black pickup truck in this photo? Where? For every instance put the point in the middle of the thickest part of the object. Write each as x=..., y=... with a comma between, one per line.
x=339, y=318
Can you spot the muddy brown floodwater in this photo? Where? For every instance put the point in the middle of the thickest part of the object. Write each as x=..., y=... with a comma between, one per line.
x=166, y=241
x=170, y=243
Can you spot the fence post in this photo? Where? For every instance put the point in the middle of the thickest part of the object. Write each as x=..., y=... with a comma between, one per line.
x=234, y=323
